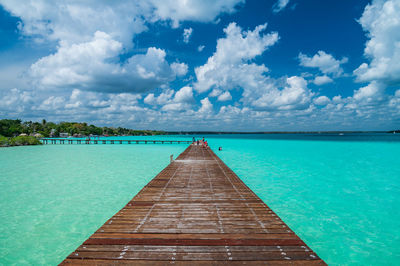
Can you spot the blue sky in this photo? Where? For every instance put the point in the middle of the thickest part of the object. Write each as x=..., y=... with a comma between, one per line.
x=234, y=65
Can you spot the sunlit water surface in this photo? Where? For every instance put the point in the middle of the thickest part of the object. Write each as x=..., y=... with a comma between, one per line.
x=341, y=194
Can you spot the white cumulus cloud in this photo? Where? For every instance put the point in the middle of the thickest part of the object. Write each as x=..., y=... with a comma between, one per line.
x=171, y=100
x=206, y=106
x=321, y=80
x=226, y=96
x=201, y=11
x=326, y=63
x=321, y=100
x=230, y=67
x=14, y=101
x=186, y=34
x=279, y=5
x=185, y=94
x=373, y=92
x=180, y=69
x=52, y=103
x=232, y=54
x=215, y=93
x=92, y=66
x=97, y=33
x=150, y=99
x=77, y=21
x=381, y=21
x=294, y=95
x=182, y=100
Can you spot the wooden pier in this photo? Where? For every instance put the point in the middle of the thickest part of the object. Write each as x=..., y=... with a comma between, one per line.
x=110, y=141
x=194, y=212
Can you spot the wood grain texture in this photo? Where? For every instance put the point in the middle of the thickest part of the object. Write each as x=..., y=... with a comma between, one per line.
x=196, y=211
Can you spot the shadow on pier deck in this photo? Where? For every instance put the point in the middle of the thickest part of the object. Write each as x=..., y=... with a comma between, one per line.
x=195, y=212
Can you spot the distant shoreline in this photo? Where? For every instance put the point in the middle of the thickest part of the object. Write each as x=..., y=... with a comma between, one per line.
x=167, y=133
x=19, y=141
x=10, y=128
x=271, y=132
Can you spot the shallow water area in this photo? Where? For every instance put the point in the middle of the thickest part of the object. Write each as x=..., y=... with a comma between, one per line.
x=339, y=193
x=55, y=196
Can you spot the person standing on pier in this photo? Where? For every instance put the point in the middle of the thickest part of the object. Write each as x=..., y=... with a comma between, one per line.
x=206, y=144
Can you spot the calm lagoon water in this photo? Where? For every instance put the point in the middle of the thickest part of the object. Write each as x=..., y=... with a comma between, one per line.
x=341, y=194
x=53, y=197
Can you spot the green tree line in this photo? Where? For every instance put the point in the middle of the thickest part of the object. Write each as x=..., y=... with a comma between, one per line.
x=12, y=128
x=19, y=141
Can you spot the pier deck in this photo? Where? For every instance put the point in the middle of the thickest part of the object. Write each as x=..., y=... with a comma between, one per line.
x=194, y=212
x=110, y=141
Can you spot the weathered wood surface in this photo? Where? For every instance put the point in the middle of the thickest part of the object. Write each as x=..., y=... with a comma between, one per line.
x=196, y=211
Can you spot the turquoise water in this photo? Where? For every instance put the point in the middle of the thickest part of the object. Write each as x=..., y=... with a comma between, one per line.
x=53, y=197
x=341, y=194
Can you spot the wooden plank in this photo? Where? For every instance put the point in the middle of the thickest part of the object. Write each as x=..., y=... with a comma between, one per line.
x=181, y=249
x=100, y=262
x=194, y=242
x=194, y=256
x=196, y=211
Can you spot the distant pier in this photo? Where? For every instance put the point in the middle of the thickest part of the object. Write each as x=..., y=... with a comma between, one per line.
x=110, y=141
x=194, y=212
